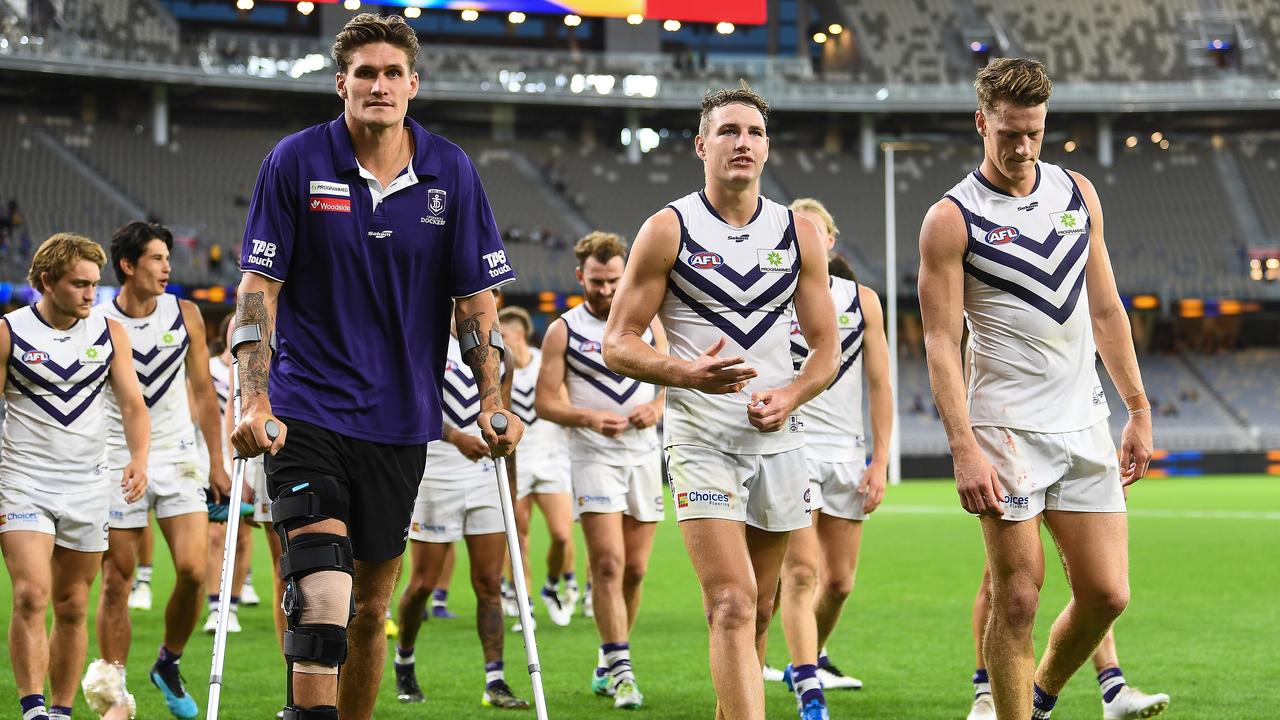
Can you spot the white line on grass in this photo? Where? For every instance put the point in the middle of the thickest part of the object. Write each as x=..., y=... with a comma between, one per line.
x=1178, y=514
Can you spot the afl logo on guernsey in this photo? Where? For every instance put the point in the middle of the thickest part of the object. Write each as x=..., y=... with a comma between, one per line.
x=589, y=346
x=705, y=261
x=1002, y=235
x=35, y=357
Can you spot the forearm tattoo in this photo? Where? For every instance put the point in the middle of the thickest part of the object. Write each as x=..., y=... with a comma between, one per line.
x=255, y=359
x=484, y=363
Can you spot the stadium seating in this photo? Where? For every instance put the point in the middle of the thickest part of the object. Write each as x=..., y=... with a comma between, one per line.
x=1260, y=164
x=1247, y=380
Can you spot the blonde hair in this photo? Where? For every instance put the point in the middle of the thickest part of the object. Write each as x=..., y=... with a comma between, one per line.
x=815, y=206
x=741, y=95
x=600, y=245
x=518, y=314
x=1021, y=81
x=368, y=28
x=56, y=255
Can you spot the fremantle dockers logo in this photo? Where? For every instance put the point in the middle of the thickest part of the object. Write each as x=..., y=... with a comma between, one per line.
x=435, y=201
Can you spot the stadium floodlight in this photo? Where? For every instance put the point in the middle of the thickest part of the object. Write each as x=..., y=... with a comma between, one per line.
x=1156, y=137
x=819, y=37
x=470, y=15
x=724, y=28
x=835, y=28
x=245, y=5
x=635, y=19
x=352, y=5
x=1070, y=146
x=516, y=17
x=1164, y=144
x=306, y=7
x=572, y=20
x=1131, y=141
x=412, y=12
x=671, y=25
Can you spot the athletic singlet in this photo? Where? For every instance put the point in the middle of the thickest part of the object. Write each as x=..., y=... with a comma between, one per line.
x=833, y=425
x=543, y=440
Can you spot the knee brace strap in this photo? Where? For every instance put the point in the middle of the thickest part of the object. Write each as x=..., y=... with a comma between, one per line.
x=324, y=712
x=322, y=644
x=305, y=502
x=316, y=552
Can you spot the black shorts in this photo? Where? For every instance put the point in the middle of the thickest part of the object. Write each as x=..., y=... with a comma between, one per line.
x=381, y=482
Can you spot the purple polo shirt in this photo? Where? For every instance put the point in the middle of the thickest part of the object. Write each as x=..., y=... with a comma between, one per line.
x=363, y=321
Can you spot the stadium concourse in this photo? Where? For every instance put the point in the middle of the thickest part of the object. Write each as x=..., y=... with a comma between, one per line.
x=162, y=110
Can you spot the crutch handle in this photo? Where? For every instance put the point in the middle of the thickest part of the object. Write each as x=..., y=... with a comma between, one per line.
x=272, y=429
x=499, y=423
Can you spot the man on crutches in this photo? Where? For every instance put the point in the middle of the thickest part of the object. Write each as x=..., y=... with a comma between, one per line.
x=383, y=225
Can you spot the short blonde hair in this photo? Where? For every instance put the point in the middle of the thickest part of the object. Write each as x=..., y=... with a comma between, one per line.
x=815, y=206
x=600, y=245
x=518, y=314
x=1021, y=81
x=56, y=255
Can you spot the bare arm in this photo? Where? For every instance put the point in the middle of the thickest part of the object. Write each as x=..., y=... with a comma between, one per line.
x=1114, y=340
x=943, y=239
x=256, y=304
x=479, y=314
x=206, y=399
x=875, y=365
x=636, y=303
x=133, y=410
x=817, y=317
x=648, y=414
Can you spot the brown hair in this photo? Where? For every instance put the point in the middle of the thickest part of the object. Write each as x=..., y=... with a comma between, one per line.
x=1021, y=81
x=600, y=245
x=518, y=314
x=367, y=28
x=815, y=206
x=741, y=95
x=56, y=255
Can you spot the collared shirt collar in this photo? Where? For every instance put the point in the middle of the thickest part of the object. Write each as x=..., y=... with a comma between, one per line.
x=426, y=162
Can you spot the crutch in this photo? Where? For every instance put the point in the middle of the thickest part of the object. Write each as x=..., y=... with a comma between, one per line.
x=499, y=424
x=229, y=547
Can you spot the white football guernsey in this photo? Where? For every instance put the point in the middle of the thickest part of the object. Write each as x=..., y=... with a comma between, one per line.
x=543, y=440
x=446, y=467
x=1026, y=305
x=54, y=422
x=735, y=283
x=159, y=343
x=833, y=425
x=593, y=386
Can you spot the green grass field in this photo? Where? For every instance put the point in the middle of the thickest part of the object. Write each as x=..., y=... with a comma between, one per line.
x=1201, y=624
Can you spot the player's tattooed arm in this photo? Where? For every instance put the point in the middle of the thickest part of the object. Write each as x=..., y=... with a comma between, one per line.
x=256, y=303
x=476, y=316
x=485, y=363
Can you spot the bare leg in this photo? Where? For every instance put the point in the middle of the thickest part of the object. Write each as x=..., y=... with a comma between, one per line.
x=115, y=631
x=147, y=545
x=557, y=508
x=606, y=556
x=446, y=572
x=426, y=560
x=1094, y=549
x=1105, y=657
x=27, y=555
x=367, y=638
x=277, y=612
x=638, y=540
x=486, y=553
x=187, y=536
x=839, y=541
x=799, y=583
x=244, y=557
x=1016, y=560
x=981, y=615
x=73, y=573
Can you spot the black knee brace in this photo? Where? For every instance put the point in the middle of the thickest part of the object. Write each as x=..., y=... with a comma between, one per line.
x=310, y=553
x=324, y=712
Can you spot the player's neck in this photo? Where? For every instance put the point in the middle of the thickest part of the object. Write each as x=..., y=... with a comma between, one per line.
x=523, y=356
x=57, y=319
x=735, y=205
x=998, y=179
x=382, y=151
x=134, y=303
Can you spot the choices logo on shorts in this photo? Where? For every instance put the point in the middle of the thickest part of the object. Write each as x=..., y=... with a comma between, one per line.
x=22, y=517
x=1017, y=501
x=702, y=497
x=585, y=500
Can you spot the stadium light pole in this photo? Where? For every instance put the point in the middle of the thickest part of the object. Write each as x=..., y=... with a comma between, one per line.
x=891, y=290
